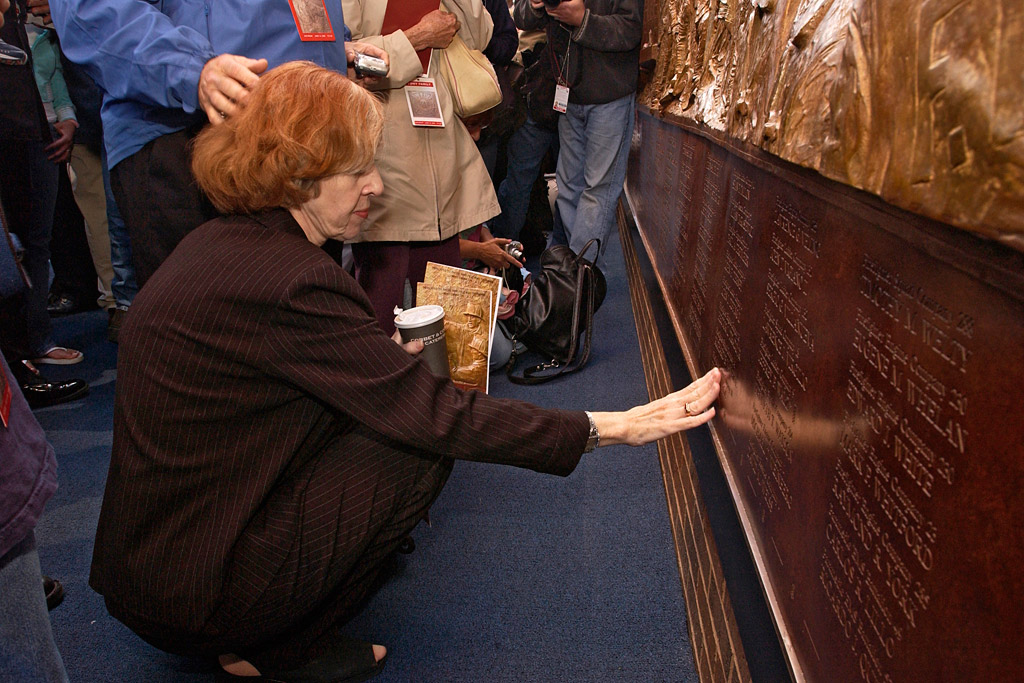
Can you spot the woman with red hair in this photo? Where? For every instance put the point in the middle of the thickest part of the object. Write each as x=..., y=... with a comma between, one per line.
x=272, y=446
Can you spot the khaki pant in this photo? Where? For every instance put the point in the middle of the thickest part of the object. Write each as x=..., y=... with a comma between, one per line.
x=92, y=202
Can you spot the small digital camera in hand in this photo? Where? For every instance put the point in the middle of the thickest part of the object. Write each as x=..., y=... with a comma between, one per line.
x=515, y=250
x=365, y=66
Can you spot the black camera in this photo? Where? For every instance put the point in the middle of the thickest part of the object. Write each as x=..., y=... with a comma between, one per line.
x=515, y=250
x=552, y=3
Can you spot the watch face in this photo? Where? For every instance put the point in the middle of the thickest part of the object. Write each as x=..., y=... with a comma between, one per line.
x=594, y=437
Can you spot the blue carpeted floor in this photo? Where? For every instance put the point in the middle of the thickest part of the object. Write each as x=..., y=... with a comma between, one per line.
x=521, y=577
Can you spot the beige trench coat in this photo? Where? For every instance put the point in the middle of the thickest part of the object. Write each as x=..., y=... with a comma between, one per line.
x=435, y=183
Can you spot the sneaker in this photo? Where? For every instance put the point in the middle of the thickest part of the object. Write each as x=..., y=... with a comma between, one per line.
x=11, y=55
x=60, y=304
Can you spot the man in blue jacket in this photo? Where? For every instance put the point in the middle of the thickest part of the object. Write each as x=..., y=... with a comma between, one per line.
x=167, y=69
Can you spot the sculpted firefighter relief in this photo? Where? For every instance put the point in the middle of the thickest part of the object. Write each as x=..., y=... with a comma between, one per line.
x=915, y=101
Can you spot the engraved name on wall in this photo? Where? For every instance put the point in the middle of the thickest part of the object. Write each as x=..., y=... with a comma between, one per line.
x=861, y=424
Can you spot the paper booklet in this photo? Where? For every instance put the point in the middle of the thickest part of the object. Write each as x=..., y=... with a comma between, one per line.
x=470, y=301
x=404, y=15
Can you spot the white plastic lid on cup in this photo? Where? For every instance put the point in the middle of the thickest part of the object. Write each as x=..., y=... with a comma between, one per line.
x=418, y=316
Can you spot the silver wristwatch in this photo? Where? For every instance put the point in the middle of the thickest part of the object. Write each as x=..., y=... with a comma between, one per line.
x=595, y=437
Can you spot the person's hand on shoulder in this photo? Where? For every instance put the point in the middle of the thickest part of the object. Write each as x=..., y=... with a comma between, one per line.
x=435, y=29
x=40, y=8
x=224, y=84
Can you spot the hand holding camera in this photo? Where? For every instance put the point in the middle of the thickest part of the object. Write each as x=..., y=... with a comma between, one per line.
x=368, y=66
x=366, y=62
x=515, y=250
x=497, y=253
x=569, y=12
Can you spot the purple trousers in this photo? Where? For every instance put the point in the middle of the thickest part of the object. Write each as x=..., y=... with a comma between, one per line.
x=383, y=267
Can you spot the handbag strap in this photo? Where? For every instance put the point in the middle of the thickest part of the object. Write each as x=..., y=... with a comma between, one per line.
x=585, y=295
x=586, y=247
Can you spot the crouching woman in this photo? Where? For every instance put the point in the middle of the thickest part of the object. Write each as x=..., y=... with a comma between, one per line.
x=272, y=446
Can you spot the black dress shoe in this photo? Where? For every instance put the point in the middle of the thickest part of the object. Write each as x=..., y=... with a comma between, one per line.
x=406, y=546
x=54, y=591
x=41, y=393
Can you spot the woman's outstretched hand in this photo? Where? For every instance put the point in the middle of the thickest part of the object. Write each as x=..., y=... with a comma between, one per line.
x=684, y=409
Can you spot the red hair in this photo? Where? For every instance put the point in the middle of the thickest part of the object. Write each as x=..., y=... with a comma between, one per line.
x=300, y=124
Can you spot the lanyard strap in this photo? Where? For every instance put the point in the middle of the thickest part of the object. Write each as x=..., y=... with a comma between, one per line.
x=561, y=67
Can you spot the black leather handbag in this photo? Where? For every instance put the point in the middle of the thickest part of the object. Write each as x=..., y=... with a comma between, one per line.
x=556, y=316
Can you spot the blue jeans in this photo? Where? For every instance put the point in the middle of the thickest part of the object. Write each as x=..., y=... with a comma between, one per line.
x=27, y=651
x=501, y=350
x=594, y=141
x=123, y=284
x=526, y=150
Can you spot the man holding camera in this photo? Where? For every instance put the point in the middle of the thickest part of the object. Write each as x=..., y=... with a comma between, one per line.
x=596, y=48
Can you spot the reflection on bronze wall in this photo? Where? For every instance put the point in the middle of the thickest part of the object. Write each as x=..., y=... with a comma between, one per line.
x=868, y=425
x=916, y=101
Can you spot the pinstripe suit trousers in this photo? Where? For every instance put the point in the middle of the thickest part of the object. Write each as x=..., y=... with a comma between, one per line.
x=346, y=510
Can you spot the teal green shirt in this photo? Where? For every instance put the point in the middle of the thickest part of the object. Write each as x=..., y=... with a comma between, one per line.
x=50, y=77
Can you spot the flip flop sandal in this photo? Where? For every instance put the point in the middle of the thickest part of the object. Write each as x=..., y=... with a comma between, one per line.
x=46, y=359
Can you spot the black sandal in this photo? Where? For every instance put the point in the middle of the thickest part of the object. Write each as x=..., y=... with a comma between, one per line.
x=350, y=661
x=54, y=591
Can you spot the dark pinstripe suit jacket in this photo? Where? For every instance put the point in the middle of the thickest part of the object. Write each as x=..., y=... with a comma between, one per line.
x=247, y=352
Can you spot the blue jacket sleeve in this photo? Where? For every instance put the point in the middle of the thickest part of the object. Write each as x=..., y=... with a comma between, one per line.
x=133, y=51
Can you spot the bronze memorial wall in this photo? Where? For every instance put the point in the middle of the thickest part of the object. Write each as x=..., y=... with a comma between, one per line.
x=870, y=424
